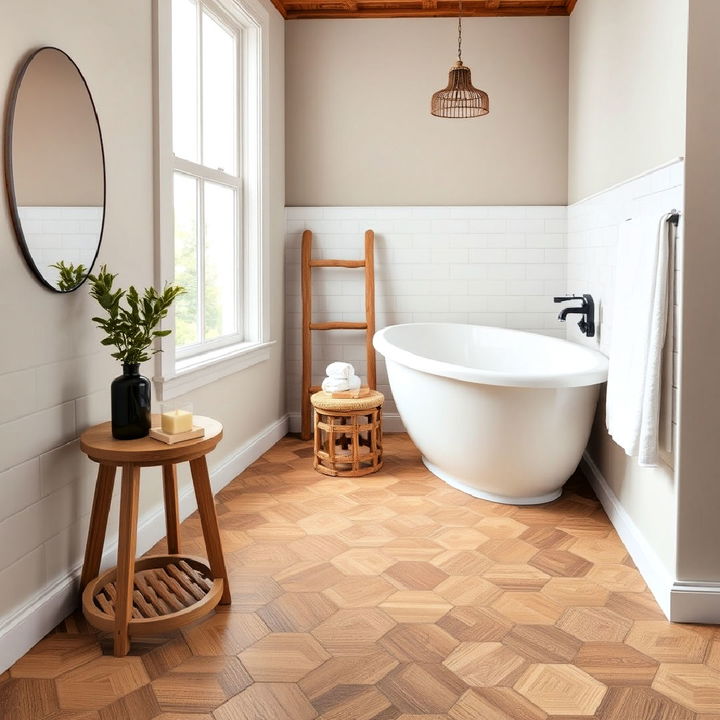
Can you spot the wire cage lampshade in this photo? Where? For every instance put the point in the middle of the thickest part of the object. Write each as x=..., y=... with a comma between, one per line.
x=460, y=99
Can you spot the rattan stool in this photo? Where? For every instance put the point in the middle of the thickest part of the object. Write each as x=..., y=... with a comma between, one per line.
x=348, y=434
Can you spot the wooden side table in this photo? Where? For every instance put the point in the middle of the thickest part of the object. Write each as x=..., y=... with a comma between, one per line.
x=160, y=593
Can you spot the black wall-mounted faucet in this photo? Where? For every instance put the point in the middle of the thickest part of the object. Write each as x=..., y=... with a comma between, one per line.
x=587, y=310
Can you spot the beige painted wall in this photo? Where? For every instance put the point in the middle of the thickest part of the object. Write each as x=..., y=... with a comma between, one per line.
x=361, y=133
x=56, y=151
x=627, y=107
x=699, y=471
x=627, y=90
x=54, y=376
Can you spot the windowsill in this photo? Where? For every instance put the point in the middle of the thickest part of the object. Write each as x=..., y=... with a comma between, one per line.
x=194, y=372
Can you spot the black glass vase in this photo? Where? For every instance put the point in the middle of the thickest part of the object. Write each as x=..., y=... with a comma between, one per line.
x=130, y=403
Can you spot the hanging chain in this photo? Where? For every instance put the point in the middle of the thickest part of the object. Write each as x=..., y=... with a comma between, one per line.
x=460, y=31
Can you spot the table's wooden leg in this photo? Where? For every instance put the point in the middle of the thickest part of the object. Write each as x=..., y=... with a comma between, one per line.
x=98, y=523
x=208, y=519
x=172, y=515
x=127, y=543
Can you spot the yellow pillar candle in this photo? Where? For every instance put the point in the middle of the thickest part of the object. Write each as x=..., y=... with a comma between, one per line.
x=176, y=421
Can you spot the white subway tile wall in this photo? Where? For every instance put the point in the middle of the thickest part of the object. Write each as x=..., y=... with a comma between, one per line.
x=592, y=237
x=61, y=233
x=482, y=265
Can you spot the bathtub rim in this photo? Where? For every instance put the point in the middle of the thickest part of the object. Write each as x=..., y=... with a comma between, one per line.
x=596, y=374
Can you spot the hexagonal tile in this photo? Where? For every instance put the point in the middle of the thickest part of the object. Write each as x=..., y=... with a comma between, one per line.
x=542, y=643
x=594, y=624
x=422, y=688
x=279, y=701
x=470, y=590
x=561, y=689
x=695, y=686
x=316, y=548
x=414, y=575
x=367, y=665
x=366, y=535
x=27, y=699
x=495, y=703
x=618, y=578
x=362, y=561
x=348, y=628
x=308, y=577
x=500, y=527
x=528, y=608
x=462, y=562
x=266, y=557
x=324, y=523
x=359, y=591
x=297, y=612
x=666, y=642
x=419, y=642
x=516, y=577
x=635, y=606
x=640, y=703
x=360, y=702
x=100, y=682
x=575, y=591
x=453, y=516
x=410, y=548
x=200, y=684
x=250, y=590
x=600, y=550
x=485, y=663
x=460, y=538
x=546, y=537
x=475, y=624
x=283, y=657
x=560, y=563
x=420, y=606
x=370, y=513
x=225, y=633
x=55, y=655
x=616, y=664
x=412, y=525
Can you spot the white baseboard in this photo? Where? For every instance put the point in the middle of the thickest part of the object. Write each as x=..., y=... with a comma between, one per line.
x=655, y=574
x=28, y=625
x=695, y=602
x=391, y=423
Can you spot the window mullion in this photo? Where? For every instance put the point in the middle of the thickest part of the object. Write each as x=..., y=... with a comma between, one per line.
x=201, y=260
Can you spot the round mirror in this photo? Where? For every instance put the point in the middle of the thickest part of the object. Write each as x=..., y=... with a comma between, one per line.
x=55, y=169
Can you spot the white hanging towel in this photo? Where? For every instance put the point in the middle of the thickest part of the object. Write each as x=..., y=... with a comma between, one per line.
x=638, y=334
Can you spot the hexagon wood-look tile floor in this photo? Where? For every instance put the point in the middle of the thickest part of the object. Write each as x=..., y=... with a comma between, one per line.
x=392, y=597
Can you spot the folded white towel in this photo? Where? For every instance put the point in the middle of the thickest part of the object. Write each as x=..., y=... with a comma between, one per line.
x=354, y=383
x=638, y=334
x=334, y=384
x=340, y=370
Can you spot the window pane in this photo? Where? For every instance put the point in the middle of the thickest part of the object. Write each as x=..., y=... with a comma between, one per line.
x=220, y=261
x=185, y=79
x=186, y=260
x=219, y=96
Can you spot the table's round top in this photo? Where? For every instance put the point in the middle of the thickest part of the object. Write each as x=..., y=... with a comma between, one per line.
x=98, y=444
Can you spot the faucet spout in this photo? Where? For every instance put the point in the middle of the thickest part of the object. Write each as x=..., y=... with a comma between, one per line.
x=586, y=309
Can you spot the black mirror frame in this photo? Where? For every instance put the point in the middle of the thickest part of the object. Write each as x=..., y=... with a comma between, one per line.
x=10, y=181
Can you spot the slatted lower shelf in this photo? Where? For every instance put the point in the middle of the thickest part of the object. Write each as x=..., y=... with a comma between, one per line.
x=169, y=591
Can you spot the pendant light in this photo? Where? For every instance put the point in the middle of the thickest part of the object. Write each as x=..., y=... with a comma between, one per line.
x=460, y=99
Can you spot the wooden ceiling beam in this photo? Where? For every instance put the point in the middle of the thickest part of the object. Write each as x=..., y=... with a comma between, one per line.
x=300, y=9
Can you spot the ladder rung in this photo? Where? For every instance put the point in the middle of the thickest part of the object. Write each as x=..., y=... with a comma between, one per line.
x=338, y=263
x=338, y=326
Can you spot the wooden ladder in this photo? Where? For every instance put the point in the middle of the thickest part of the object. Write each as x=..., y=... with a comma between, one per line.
x=307, y=264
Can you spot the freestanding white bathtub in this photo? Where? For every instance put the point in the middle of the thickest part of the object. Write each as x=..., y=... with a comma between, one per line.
x=501, y=414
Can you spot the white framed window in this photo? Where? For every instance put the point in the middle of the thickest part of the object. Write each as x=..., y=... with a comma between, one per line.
x=212, y=217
